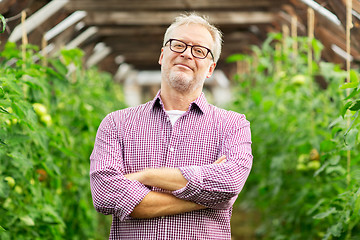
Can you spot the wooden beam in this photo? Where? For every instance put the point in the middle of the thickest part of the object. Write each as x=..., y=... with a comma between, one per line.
x=37, y=19
x=76, y=42
x=165, y=18
x=63, y=25
x=5, y=5
x=327, y=36
x=135, y=5
x=131, y=31
x=356, y=5
x=97, y=56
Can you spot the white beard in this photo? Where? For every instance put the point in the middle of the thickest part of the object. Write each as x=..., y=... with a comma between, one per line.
x=183, y=82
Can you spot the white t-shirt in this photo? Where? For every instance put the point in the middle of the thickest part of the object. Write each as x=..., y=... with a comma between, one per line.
x=174, y=115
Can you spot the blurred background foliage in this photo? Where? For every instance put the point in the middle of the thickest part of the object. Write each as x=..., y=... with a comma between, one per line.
x=49, y=116
x=304, y=120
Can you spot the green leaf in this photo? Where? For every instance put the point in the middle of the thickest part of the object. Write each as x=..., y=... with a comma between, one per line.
x=336, y=229
x=72, y=56
x=345, y=108
x=325, y=214
x=336, y=169
x=27, y=220
x=3, y=110
x=354, y=81
x=355, y=117
x=61, y=69
x=351, y=136
x=20, y=161
x=354, y=76
x=2, y=229
x=327, y=146
x=18, y=110
x=51, y=215
x=349, y=85
x=323, y=166
x=3, y=23
x=334, y=160
x=355, y=106
x=353, y=94
x=317, y=205
x=317, y=47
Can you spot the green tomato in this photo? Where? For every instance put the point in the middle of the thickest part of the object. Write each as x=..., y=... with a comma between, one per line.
x=8, y=122
x=298, y=79
x=314, y=165
x=10, y=110
x=303, y=158
x=301, y=167
x=46, y=119
x=7, y=203
x=40, y=109
x=10, y=181
x=18, y=190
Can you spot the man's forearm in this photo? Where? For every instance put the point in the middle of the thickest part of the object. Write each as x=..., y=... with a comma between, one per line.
x=165, y=178
x=157, y=204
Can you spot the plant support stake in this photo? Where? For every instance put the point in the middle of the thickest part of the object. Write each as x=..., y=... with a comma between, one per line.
x=348, y=28
x=311, y=23
x=24, y=35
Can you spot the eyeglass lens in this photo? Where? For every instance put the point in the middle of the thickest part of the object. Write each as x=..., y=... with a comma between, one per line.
x=196, y=51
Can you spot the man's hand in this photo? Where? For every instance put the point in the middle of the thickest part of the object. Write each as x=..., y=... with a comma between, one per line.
x=221, y=159
x=166, y=178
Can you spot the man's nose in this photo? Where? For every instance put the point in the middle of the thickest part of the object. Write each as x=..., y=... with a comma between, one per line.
x=187, y=53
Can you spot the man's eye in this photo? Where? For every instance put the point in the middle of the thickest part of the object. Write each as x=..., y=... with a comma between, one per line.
x=199, y=50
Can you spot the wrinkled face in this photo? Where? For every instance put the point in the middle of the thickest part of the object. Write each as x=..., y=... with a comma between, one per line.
x=182, y=71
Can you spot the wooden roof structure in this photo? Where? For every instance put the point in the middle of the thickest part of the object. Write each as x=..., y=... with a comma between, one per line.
x=132, y=31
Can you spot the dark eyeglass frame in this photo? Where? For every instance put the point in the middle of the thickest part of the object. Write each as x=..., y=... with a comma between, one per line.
x=192, y=47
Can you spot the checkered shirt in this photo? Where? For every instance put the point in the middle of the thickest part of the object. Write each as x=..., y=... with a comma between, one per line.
x=136, y=138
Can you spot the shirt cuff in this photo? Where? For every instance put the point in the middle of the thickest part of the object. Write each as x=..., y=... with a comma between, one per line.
x=193, y=187
x=135, y=193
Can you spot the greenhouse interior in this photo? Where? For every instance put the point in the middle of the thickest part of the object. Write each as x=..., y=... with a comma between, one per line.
x=292, y=67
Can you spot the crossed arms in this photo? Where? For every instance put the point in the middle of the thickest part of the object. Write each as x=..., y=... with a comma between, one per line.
x=189, y=188
x=156, y=204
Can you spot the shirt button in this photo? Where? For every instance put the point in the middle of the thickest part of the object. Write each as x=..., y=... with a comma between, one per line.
x=172, y=149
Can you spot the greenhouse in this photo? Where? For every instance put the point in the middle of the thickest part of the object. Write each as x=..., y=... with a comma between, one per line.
x=76, y=73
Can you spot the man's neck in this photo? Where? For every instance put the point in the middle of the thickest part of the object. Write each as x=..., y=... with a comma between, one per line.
x=174, y=100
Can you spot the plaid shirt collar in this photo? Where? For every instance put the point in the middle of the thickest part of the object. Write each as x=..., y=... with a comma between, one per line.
x=200, y=103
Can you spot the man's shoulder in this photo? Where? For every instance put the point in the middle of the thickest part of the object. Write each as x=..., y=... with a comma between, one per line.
x=228, y=118
x=225, y=114
x=130, y=112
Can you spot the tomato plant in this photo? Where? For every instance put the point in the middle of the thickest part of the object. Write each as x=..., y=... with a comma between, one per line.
x=301, y=183
x=48, y=121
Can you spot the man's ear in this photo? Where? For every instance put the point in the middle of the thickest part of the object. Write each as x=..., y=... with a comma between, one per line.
x=211, y=70
x=161, y=56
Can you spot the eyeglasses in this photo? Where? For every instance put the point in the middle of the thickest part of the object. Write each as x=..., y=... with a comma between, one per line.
x=197, y=51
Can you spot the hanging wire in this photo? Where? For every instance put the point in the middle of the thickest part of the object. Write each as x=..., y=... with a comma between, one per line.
x=4, y=21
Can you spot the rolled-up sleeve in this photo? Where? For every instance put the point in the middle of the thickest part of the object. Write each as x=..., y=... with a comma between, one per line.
x=218, y=185
x=112, y=193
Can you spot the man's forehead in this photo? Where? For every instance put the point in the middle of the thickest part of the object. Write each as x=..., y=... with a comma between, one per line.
x=194, y=33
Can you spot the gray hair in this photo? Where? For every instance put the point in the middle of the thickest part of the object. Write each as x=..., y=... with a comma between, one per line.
x=185, y=19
